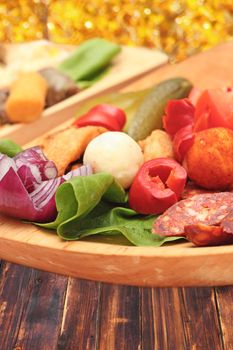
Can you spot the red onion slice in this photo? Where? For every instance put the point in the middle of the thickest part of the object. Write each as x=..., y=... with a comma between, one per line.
x=33, y=167
x=43, y=199
x=37, y=206
x=83, y=170
x=45, y=191
x=6, y=163
x=14, y=198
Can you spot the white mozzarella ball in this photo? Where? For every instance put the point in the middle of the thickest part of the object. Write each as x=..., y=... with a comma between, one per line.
x=115, y=153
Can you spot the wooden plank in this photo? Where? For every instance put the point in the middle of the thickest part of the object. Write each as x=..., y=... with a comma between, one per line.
x=224, y=297
x=200, y=319
x=129, y=317
x=119, y=318
x=162, y=325
x=31, y=303
x=184, y=318
x=79, y=324
x=15, y=285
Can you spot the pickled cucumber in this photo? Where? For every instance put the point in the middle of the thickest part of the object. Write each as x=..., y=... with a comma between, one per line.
x=148, y=116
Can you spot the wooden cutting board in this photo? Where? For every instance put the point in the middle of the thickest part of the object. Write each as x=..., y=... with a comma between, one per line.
x=132, y=63
x=108, y=260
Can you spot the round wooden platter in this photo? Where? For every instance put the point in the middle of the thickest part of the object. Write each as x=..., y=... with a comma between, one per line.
x=113, y=260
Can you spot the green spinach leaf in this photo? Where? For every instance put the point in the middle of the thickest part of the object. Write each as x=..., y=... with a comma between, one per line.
x=90, y=205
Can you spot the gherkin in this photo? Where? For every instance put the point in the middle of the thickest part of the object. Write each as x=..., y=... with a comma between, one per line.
x=148, y=116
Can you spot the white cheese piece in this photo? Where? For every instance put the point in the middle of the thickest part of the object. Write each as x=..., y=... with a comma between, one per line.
x=115, y=153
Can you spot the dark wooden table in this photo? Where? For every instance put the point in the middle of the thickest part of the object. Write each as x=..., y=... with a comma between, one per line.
x=45, y=311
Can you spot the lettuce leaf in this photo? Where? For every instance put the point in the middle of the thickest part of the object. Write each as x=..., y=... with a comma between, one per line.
x=89, y=205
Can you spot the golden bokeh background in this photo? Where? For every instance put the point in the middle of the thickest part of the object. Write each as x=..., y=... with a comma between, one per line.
x=180, y=28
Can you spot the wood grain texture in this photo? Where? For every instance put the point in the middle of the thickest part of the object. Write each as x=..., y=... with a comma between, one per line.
x=31, y=304
x=224, y=297
x=119, y=318
x=201, y=323
x=15, y=285
x=161, y=319
x=80, y=319
x=40, y=323
x=184, y=318
x=41, y=311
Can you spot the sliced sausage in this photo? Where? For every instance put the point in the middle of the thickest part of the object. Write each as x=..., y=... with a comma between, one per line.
x=191, y=189
x=207, y=235
x=207, y=209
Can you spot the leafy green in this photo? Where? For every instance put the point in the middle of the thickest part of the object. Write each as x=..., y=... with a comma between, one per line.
x=9, y=147
x=89, y=62
x=90, y=205
x=78, y=196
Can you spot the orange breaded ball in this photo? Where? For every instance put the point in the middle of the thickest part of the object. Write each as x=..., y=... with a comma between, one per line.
x=209, y=161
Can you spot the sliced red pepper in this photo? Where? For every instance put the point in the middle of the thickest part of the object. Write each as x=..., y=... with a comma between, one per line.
x=214, y=108
x=178, y=113
x=112, y=111
x=158, y=184
x=98, y=120
x=182, y=141
x=107, y=116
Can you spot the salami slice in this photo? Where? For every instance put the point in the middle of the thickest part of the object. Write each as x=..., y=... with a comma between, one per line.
x=206, y=209
x=227, y=223
x=191, y=189
x=204, y=235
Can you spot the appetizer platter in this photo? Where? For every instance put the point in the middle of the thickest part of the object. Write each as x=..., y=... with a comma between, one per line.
x=48, y=80
x=144, y=202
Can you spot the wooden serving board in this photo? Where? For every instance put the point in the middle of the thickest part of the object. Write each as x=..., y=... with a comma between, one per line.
x=132, y=63
x=108, y=260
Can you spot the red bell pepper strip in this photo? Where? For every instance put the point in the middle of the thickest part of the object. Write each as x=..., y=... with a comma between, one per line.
x=112, y=111
x=182, y=141
x=158, y=184
x=107, y=116
x=214, y=108
x=178, y=113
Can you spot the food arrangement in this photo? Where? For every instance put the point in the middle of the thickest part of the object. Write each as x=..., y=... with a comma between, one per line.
x=49, y=76
x=99, y=176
